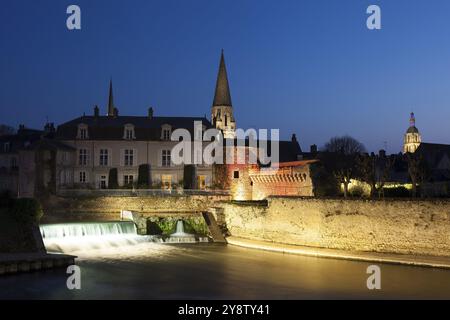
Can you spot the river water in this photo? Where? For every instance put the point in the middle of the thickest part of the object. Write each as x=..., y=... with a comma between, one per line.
x=131, y=269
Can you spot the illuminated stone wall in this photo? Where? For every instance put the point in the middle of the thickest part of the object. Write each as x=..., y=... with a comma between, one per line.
x=399, y=226
x=61, y=209
x=287, y=181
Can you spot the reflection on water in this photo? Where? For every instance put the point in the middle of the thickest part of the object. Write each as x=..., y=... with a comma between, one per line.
x=137, y=269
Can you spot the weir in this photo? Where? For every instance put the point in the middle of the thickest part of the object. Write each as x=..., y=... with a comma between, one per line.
x=65, y=230
x=86, y=236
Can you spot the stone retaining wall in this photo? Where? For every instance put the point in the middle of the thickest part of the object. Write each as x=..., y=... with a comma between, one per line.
x=65, y=209
x=396, y=226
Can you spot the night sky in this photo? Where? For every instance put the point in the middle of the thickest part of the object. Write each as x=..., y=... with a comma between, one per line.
x=309, y=67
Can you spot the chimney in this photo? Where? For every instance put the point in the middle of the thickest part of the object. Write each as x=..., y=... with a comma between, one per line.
x=150, y=112
x=96, y=111
x=294, y=138
x=49, y=127
x=313, y=148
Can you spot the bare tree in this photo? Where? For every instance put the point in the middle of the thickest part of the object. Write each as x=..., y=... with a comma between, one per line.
x=344, y=151
x=345, y=144
x=375, y=171
x=418, y=171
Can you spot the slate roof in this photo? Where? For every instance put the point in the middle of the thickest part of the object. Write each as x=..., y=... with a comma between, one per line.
x=222, y=96
x=20, y=140
x=112, y=128
x=433, y=152
x=49, y=144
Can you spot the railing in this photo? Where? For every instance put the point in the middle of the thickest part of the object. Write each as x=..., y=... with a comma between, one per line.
x=138, y=192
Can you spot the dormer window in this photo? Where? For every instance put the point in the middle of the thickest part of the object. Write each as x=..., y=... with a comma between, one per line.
x=128, y=133
x=82, y=131
x=166, y=132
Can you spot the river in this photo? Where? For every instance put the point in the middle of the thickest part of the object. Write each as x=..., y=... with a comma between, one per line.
x=145, y=270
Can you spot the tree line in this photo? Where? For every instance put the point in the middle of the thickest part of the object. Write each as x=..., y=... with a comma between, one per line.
x=345, y=159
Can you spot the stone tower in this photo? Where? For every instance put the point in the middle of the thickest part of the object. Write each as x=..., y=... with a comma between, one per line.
x=222, y=109
x=412, y=137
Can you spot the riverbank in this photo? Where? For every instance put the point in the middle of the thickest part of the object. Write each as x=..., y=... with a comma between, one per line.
x=25, y=262
x=413, y=260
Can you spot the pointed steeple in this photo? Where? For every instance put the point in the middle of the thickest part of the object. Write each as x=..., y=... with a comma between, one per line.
x=222, y=96
x=110, y=100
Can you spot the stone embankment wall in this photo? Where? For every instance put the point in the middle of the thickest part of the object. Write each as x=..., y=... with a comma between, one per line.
x=396, y=226
x=66, y=209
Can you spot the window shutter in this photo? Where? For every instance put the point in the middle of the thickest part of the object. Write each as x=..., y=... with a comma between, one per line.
x=135, y=157
x=159, y=158
x=110, y=158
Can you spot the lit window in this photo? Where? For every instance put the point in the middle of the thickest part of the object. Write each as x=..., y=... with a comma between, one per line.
x=129, y=157
x=166, y=181
x=82, y=157
x=103, y=157
x=166, y=158
x=202, y=182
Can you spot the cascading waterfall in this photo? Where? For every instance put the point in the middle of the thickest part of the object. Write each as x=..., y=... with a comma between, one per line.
x=65, y=230
x=78, y=237
x=81, y=237
x=180, y=236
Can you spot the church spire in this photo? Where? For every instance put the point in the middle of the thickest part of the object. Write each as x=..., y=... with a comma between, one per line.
x=222, y=96
x=222, y=111
x=412, y=120
x=110, y=100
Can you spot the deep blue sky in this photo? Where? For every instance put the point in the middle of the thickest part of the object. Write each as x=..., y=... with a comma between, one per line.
x=305, y=66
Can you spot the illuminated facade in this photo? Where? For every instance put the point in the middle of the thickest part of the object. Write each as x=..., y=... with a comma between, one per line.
x=412, y=138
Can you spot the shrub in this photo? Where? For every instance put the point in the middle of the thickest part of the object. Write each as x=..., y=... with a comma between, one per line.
x=397, y=192
x=357, y=192
x=113, y=181
x=189, y=177
x=5, y=199
x=325, y=183
x=27, y=210
x=144, y=176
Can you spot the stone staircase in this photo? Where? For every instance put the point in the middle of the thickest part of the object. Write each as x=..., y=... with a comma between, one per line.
x=216, y=233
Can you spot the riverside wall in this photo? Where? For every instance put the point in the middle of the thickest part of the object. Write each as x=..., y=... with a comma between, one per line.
x=394, y=226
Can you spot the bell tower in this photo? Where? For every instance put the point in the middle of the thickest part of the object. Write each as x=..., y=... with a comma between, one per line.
x=222, y=110
x=412, y=138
